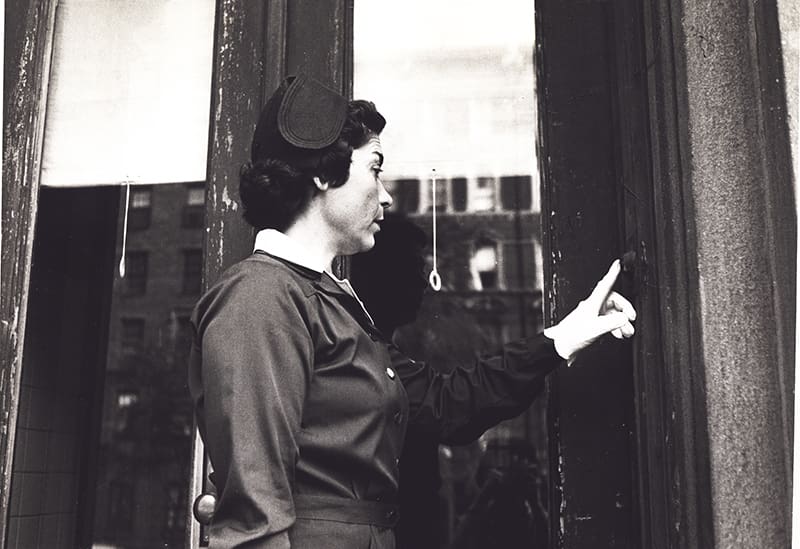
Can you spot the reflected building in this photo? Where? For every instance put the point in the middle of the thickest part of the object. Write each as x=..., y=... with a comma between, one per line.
x=143, y=461
x=460, y=146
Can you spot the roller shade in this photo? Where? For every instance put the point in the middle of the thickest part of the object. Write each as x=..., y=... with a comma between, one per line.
x=130, y=92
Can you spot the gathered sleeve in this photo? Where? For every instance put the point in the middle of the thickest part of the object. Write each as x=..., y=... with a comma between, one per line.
x=252, y=362
x=457, y=407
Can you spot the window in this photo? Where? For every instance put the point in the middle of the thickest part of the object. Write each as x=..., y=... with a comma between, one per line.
x=135, y=280
x=140, y=208
x=482, y=195
x=192, y=271
x=194, y=210
x=132, y=336
x=515, y=192
x=405, y=193
x=126, y=399
x=441, y=194
x=121, y=505
x=458, y=189
x=462, y=103
x=483, y=266
x=519, y=265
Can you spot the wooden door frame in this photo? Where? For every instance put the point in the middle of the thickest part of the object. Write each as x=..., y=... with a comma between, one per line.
x=26, y=69
x=671, y=488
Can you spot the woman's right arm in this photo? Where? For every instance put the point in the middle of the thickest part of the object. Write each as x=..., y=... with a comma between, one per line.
x=254, y=359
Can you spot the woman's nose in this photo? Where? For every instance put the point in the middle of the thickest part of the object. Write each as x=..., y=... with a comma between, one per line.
x=383, y=196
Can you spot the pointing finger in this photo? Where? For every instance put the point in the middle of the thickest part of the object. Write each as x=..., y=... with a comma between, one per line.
x=598, y=296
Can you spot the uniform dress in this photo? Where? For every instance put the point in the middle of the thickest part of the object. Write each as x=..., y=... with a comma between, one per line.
x=303, y=404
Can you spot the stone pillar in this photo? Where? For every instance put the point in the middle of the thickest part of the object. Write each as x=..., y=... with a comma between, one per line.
x=744, y=230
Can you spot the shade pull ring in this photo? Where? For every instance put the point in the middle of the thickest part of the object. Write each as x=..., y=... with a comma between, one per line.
x=125, y=230
x=434, y=279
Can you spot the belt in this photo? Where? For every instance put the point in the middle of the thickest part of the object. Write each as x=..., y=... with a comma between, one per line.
x=354, y=511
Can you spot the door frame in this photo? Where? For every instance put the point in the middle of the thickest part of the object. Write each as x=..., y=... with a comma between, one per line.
x=668, y=444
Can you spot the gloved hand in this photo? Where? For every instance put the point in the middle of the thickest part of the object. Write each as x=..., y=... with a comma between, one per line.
x=602, y=312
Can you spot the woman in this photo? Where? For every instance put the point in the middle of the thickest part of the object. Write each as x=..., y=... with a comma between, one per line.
x=301, y=401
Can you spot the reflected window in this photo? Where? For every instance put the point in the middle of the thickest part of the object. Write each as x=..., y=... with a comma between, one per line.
x=483, y=266
x=482, y=195
x=132, y=336
x=441, y=195
x=135, y=273
x=121, y=505
x=192, y=271
x=520, y=265
x=405, y=194
x=458, y=193
x=515, y=192
x=194, y=209
x=140, y=208
x=126, y=399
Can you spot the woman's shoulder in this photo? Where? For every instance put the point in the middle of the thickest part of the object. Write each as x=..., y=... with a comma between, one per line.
x=267, y=274
x=260, y=280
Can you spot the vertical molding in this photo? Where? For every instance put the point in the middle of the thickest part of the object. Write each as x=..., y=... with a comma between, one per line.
x=769, y=77
x=27, y=54
x=686, y=446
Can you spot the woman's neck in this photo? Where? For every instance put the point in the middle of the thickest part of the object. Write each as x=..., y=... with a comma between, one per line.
x=313, y=241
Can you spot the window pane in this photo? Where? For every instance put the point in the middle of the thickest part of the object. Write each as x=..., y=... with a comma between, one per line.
x=141, y=197
x=192, y=271
x=144, y=456
x=129, y=92
x=482, y=195
x=405, y=193
x=462, y=102
x=458, y=187
x=136, y=272
x=515, y=192
x=196, y=196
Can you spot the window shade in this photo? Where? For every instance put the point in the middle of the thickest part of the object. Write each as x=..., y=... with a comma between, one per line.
x=130, y=92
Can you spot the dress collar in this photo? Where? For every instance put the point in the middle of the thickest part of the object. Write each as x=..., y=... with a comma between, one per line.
x=280, y=245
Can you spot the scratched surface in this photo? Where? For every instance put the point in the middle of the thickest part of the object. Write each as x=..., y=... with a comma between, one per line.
x=26, y=57
x=591, y=402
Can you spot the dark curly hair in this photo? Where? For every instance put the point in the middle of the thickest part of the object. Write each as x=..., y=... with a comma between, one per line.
x=275, y=190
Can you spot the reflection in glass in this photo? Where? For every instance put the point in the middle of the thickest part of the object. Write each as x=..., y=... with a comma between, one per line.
x=455, y=81
x=143, y=463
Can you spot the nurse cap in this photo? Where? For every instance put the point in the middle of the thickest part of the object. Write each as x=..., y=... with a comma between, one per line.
x=301, y=114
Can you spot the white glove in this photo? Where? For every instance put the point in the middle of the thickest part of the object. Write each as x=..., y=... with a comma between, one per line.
x=602, y=312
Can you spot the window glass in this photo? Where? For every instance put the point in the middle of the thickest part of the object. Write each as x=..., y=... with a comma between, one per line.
x=481, y=196
x=104, y=431
x=144, y=457
x=140, y=208
x=129, y=92
x=461, y=104
x=136, y=272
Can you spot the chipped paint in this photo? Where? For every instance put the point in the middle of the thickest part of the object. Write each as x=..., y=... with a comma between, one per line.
x=226, y=199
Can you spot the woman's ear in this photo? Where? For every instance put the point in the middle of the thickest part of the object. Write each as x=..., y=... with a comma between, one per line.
x=321, y=185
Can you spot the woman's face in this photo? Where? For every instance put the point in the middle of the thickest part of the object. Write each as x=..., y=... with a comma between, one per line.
x=352, y=211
